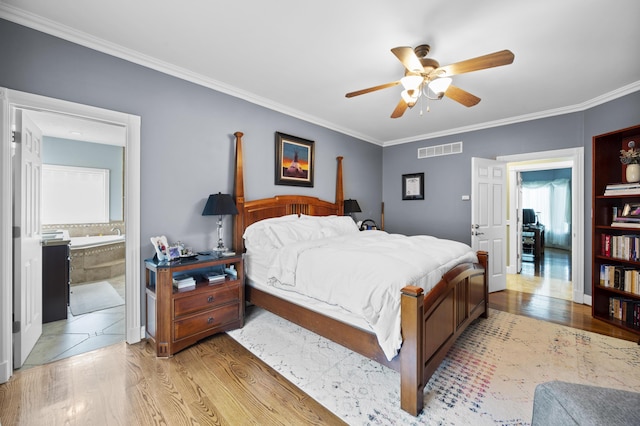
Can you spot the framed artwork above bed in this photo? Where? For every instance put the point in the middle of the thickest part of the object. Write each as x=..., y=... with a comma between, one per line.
x=294, y=160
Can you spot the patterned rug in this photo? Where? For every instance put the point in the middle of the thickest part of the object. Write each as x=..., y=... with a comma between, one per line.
x=488, y=377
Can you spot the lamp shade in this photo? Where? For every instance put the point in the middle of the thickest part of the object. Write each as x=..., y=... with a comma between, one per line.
x=351, y=206
x=219, y=204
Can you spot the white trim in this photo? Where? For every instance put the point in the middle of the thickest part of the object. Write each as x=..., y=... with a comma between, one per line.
x=562, y=158
x=6, y=241
x=15, y=99
x=39, y=23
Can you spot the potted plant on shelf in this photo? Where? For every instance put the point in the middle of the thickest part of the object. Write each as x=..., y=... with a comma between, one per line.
x=631, y=158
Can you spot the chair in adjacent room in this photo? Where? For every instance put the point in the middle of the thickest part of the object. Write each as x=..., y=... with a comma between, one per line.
x=532, y=235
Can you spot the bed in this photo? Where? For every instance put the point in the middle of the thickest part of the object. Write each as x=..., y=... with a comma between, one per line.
x=430, y=321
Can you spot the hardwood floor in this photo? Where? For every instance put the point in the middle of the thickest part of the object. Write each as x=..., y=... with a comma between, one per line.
x=549, y=276
x=544, y=291
x=559, y=311
x=214, y=382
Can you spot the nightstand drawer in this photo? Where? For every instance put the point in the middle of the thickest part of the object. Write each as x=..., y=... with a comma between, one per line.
x=205, y=321
x=205, y=300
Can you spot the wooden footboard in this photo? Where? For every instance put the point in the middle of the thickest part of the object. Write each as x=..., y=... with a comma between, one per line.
x=432, y=323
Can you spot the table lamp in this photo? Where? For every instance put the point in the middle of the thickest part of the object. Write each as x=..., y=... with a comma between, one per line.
x=219, y=204
x=351, y=206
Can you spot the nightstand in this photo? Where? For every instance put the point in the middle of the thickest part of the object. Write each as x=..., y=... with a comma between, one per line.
x=176, y=318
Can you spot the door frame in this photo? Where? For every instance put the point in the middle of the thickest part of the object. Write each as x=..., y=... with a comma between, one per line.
x=565, y=158
x=10, y=99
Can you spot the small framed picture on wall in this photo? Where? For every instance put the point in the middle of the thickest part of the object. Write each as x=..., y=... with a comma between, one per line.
x=413, y=186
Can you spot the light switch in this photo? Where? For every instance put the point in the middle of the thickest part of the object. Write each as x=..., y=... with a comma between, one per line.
x=465, y=198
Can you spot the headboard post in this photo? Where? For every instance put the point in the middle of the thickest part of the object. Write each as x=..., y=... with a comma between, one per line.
x=238, y=228
x=339, y=188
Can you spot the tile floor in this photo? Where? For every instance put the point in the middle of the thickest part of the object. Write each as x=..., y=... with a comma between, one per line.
x=79, y=334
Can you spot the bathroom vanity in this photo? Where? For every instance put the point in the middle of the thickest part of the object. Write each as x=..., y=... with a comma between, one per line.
x=55, y=280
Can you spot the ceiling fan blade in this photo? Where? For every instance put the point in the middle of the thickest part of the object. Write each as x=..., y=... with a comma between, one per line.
x=408, y=58
x=372, y=89
x=461, y=96
x=496, y=59
x=400, y=109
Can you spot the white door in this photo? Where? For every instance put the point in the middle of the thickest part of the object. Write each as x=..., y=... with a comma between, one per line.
x=27, y=249
x=488, y=211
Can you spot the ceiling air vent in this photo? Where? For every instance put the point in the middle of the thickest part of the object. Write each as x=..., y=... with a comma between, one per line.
x=438, y=150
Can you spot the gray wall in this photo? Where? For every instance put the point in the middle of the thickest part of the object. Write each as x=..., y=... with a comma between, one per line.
x=66, y=152
x=187, y=144
x=447, y=178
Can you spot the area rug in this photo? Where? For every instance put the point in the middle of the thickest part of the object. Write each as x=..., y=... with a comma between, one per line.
x=85, y=298
x=488, y=377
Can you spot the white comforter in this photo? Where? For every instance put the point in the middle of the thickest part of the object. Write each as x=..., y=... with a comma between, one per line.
x=365, y=272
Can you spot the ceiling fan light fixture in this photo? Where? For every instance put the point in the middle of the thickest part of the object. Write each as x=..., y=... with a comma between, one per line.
x=411, y=82
x=439, y=86
x=410, y=97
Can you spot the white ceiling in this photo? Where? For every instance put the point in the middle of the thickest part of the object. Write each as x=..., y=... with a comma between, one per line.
x=301, y=57
x=80, y=129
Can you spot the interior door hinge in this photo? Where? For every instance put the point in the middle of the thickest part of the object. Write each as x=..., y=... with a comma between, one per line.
x=16, y=326
x=16, y=232
x=15, y=136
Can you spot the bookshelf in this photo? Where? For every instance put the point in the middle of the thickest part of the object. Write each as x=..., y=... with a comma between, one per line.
x=615, y=243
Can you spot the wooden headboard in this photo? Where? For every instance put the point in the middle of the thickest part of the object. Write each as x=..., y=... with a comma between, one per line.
x=280, y=205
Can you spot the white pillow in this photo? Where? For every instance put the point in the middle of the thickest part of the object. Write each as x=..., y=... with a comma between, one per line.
x=334, y=225
x=257, y=235
x=292, y=232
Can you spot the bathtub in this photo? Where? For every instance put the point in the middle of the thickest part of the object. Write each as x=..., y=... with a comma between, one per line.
x=95, y=241
x=96, y=258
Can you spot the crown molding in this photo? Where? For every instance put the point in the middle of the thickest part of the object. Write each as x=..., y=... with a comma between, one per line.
x=618, y=93
x=47, y=26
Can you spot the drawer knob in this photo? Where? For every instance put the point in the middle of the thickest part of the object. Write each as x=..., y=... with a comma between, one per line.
x=210, y=320
x=210, y=299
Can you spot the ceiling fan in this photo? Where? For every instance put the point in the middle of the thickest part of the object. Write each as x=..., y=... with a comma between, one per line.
x=424, y=76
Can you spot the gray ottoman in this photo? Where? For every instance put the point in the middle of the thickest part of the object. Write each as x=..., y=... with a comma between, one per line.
x=561, y=403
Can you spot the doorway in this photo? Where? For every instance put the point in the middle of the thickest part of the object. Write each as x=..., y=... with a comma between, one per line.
x=82, y=202
x=556, y=270
x=11, y=100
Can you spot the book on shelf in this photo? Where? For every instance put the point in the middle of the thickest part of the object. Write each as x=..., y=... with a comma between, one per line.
x=626, y=247
x=625, y=310
x=621, y=224
x=182, y=277
x=181, y=281
x=216, y=274
x=623, y=185
x=622, y=189
x=184, y=284
x=620, y=278
x=627, y=219
x=214, y=277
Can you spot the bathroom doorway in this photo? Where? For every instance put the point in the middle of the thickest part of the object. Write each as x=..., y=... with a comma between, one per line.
x=10, y=102
x=83, y=184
